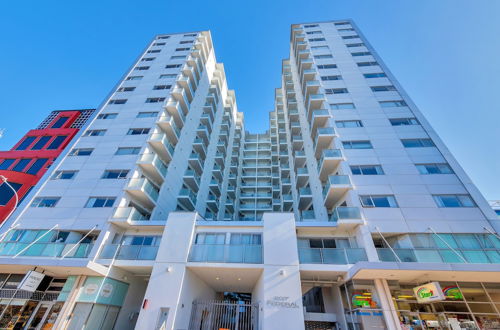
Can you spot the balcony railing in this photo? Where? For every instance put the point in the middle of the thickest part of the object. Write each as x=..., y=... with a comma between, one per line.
x=340, y=256
x=440, y=255
x=45, y=249
x=345, y=213
x=129, y=252
x=130, y=214
x=250, y=254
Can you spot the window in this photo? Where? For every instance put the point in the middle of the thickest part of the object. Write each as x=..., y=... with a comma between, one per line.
x=118, y=101
x=6, y=193
x=361, y=64
x=173, y=66
x=186, y=42
x=390, y=104
x=319, y=47
x=341, y=23
x=342, y=106
x=375, y=75
x=359, y=44
x=310, y=25
x=155, y=99
x=81, y=152
x=100, y=202
x=361, y=54
x=128, y=151
x=383, y=88
x=6, y=163
x=404, y=121
x=349, y=123
x=417, y=143
x=245, y=239
x=163, y=37
x=56, y=143
x=313, y=32
x=347, y=29
x=176, y=57
x=107, y=116
x=357, y=144
x=454, y=201
x=367, y=170
x=166, y=76
x=45, y=201
x=182, y=49
x=350, y=37
x=160, y=87
x=60, y=122
x=336, y=90
x=316, y=39
x=378, y=201
x=94, y=132
x=135, y=78
x=26, y=143
x=37, y=166
x=210, y=238
x=434, y=168
x=159, y=43
x=327, y=66
x=64, y=175
x=126, y=89
x=326, y=78
x=21, y=164
x=147, y=114
x=115, y=174
x=141, y=68
x=138, y=131
x=153, y=51
x=148, y=59
x=41, y=142
x=318, y=57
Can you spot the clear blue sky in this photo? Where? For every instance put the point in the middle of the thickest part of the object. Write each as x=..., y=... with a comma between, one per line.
x=69, y=54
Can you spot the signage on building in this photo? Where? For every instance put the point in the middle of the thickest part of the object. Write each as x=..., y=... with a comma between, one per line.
x=429, y=292
x=31, y=281
x=283, y=302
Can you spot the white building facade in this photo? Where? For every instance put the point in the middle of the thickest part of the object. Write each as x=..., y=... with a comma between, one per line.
x=166, y=214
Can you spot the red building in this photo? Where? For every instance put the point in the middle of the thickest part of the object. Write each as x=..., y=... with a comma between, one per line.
x=30, y=158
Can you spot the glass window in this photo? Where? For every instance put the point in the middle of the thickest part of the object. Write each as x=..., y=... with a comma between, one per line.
x=454, y=201
x=147, y=114
x=6, y=163
x=375, y=75
x=390, y=104
x=21, y=164
x=107, y=116
x=95, y=132
x=367, y=170
x=361, y=64
x=349, y=123
x=404, y=121
x=26, y=143
x=434, y=168
x=41, y=142
x=417, y=143
x=37, y=165
x=60, y=122
x=126, y=89
x=128, y=151
x=138, y=131
x=6, y=192
x=378, y=201
x=118, y=101
x=342, y=106
x=81, y=152
x=115, y=174
x=45, y=201
x=357, y=145
x=155, y=99
x=336, y=91
x=135, y=78
x=56, y=143
x=64, y=175
x=94, y=202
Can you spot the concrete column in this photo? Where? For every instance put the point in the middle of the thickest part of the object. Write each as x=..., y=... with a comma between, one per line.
x=365, y=240
x=64, y=316
x=169, y=270
x=279, y=290
x=390, y=315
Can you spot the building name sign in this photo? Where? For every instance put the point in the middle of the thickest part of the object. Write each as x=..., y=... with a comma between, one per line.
x=429, y=292
x=31, y=281
x=283, y=302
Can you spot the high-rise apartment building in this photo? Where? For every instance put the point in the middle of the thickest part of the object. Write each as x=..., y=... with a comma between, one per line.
x=25, y=164
x=348, y=213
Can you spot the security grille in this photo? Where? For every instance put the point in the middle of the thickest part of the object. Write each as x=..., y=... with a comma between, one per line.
x=217, y=314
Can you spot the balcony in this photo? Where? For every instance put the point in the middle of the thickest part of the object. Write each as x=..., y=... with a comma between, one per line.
x=346, y=217
x=199, y=147
x=330, y=160
x=175, y=110
x=226, y=253
x=332, y=256
x=293, y=114
x=160, y=143
x=302, y=176
x=230, y=205
x=206, y=120
x=297, y=142
x=213, y=203
x=315, y=102
x=217, y=171
x=324, y=138
x=307, y=215
x=192, y=180
x=129, y=252
x=319, y=118
x=214, y=186
x=129, y=214
x=46, y=249
x=429, y=255
x=300, y=159
x=152, y=165
x=219, y=158
x=168, y=125
x=335, y=188
x=196, y=162
x=187, y=85
x=187, y=199
x=142, y=190
x=180, y=96
x=305, y=198
x=203, y=132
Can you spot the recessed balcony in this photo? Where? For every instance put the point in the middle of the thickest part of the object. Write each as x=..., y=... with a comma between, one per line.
x=130, y=214
x=144, y=191
x=302, y=176
x=330, y=160
x=187, y=198
x=346, y=217
x=162, y=146
x=226, y=253
x=152, y=165
x=335, y=188
x=203, y=132
x=305, y=198
x=335, y=256
x=300, y=158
